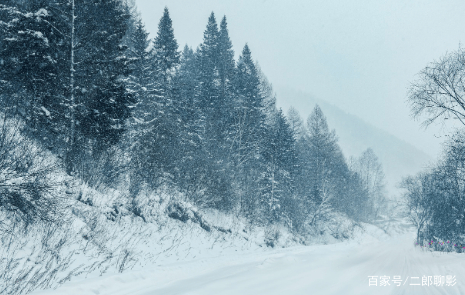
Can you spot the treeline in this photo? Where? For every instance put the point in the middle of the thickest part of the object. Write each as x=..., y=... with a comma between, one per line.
x=435, y=198
x=120, y=108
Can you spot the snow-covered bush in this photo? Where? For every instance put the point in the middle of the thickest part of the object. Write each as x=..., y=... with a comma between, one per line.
x=105, y=169
x=29, y=179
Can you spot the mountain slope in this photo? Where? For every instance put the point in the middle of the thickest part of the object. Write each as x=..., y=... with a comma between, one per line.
x=398, y=157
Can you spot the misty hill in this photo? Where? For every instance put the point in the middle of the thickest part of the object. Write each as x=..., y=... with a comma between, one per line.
x=398, y=157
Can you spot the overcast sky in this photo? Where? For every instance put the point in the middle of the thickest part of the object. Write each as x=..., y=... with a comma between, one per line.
x=358, y=55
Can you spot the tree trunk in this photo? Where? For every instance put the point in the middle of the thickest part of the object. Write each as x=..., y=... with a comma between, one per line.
x=71, y=140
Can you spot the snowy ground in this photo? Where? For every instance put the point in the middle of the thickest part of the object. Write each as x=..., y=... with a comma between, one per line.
x=342, y=268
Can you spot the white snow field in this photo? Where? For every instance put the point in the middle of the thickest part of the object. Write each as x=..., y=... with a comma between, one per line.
x=342, y=268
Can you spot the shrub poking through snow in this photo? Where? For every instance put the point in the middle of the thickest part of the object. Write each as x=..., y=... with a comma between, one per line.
x=29, y=178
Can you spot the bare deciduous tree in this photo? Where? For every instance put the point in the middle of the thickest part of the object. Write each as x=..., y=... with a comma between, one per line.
x=416, y=201
x=371, y=174
x=439, y=92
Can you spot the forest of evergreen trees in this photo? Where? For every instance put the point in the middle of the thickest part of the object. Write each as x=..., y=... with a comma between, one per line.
x=117, y=107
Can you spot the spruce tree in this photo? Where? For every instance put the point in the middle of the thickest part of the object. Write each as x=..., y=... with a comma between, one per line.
x=157, y=141
x=34, y=55
x=143, y=84
x=226, y=71
x=186, y=84
x=216, y=179
x=250, y=118
x=102, y=98
x=191, y=152
x=280, y=160
x=249, y=132
x=208, y=80
x=226, y=63
x=141, y=80
x=165, y=50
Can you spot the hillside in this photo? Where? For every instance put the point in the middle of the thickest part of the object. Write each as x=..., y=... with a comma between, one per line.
x=398, y=157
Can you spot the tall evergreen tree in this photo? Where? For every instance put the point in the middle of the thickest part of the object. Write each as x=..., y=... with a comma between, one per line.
x=208, y=79
x=226, y=71
x=66, y=56
x=34, y=55
x=216, y=179
x=165, y=50
x=101, y=65
x=186, y=85
x=191, y=152
x=145, y=88
x=280, y=160
x=130, y=8
x=141, y=81
x=226, y=64
x=249, y=116
x=157, y=142
x=249, y=131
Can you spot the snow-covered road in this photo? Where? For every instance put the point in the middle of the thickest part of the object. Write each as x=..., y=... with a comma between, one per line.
x=342, y=268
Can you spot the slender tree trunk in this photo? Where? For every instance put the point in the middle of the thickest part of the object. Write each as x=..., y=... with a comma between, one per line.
x=71, y=141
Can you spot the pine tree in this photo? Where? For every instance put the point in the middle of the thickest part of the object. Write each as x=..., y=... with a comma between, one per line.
x=158, y=137
x=208, y=79
x=186, y=93
x=226, y=72
x=249, y=115
x=226, y=64
x=216, y=180
x=166, y=62
x=186, y=84
x=130, y=8
x=166, y=51
x=249, y=132
x=145, y=88
x=101, y=96
x=280, y=160
x=191, y=152
x=141, y=81
x=34, y=55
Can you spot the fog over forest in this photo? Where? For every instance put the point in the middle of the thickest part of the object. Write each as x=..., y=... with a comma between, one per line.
x=360, y=56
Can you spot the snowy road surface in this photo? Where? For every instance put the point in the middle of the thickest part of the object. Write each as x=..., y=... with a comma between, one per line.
x=342, y=268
